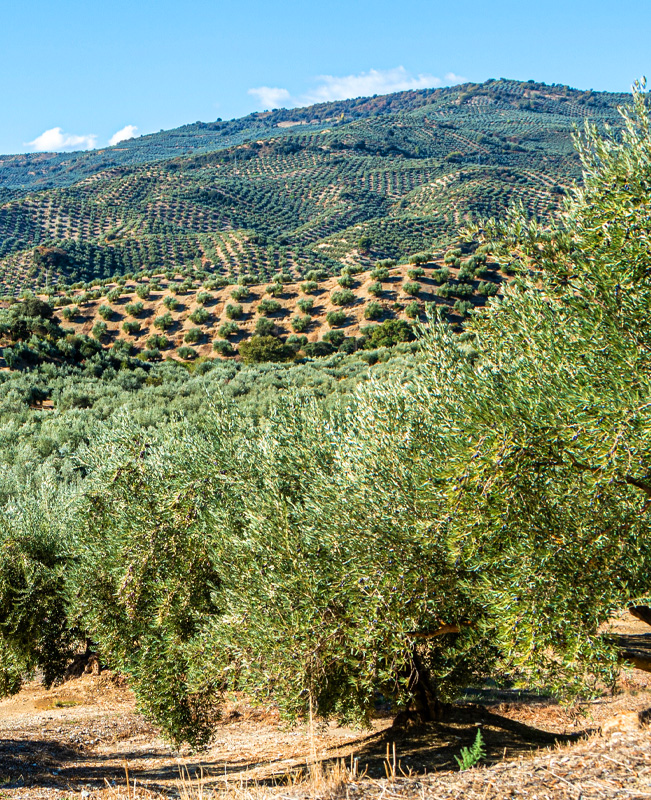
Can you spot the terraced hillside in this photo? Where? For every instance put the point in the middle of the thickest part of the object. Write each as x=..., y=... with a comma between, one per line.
x=290, y=191
x=163, y=318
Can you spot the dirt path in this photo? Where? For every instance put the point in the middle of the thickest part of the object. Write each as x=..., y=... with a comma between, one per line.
x=78, y=738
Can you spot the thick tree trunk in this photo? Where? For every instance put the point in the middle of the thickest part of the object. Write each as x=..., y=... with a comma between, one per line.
x=426, y=706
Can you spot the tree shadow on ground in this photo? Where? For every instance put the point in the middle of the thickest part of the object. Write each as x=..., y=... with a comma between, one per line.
x=432, y=746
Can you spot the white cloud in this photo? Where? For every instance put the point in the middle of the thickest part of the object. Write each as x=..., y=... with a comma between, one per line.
x=128, y=132
x=271, y=97
x=331, y=87
x=55, y=140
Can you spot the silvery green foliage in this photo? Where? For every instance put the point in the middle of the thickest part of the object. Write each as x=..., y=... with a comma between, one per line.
x=35, y=630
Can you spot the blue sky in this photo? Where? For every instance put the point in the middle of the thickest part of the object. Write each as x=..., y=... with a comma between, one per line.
x=74, y=74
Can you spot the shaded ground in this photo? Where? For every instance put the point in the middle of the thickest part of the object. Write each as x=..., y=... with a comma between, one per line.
x=79, y=737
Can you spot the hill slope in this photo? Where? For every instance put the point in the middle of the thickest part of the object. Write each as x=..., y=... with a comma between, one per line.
x=345, y=183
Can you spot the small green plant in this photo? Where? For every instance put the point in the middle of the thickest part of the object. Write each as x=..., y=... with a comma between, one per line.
x=157, y=341
x=133, y=309
x=131, y=326
x=234, y=311
x=228, y=329
x=335, y=318
x=106, y=312
x=305, y=304
x=344, y=297
x=223, y=347
x=375, y=289
x=415, y=273
x=114, y=295
x=309, y=287
x=203, y=298
x=239, y=293
x=193, y=335
x=268, y=306
x=264, y=326
x=164, y=322
x=143, y=291
x=471, y=755
x=99, y=330
x=411, y=288
x=300, y=324
x=345, y=281
x=186, y=353
x=412, y=310
x=199, y=315
x=274, y=289
x=373, y=310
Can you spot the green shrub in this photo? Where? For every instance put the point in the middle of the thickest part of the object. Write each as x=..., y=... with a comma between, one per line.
x=223, y=347
x=344, y=297
x=296, y=342
x=170, y=302
x=305, y=304
x=300, y=324
x=373, y=310
x=151, y=354
x=411, y=288
x=143, y=291
x=193, y=335
x=275, y=289
x=228, y=329
x=345, y=281
x=234, y=311
x=463, y=307
x=387, y=334
x=186, y=353
x=309, y=287
x=259, y=349
x=415, y=273
x=99, y=330
x=375, y=288
x=487, y=289
x=264, y=326
x=131, y=327
x=335, y=338
x=380, y=274
x=335, y=318
x=164, y=322
x=239, y=293
x=114, y=295
x=199, y=316
x=203, y=298
x=133, y=309
x=157, y=341
x=412, y=310
x=318, y=349
x=440, y=276
x=70, y=312
x=106, y=312
x=268, y=306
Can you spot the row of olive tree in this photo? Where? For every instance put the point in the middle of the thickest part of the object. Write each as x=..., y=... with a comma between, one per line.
x=483, y=518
